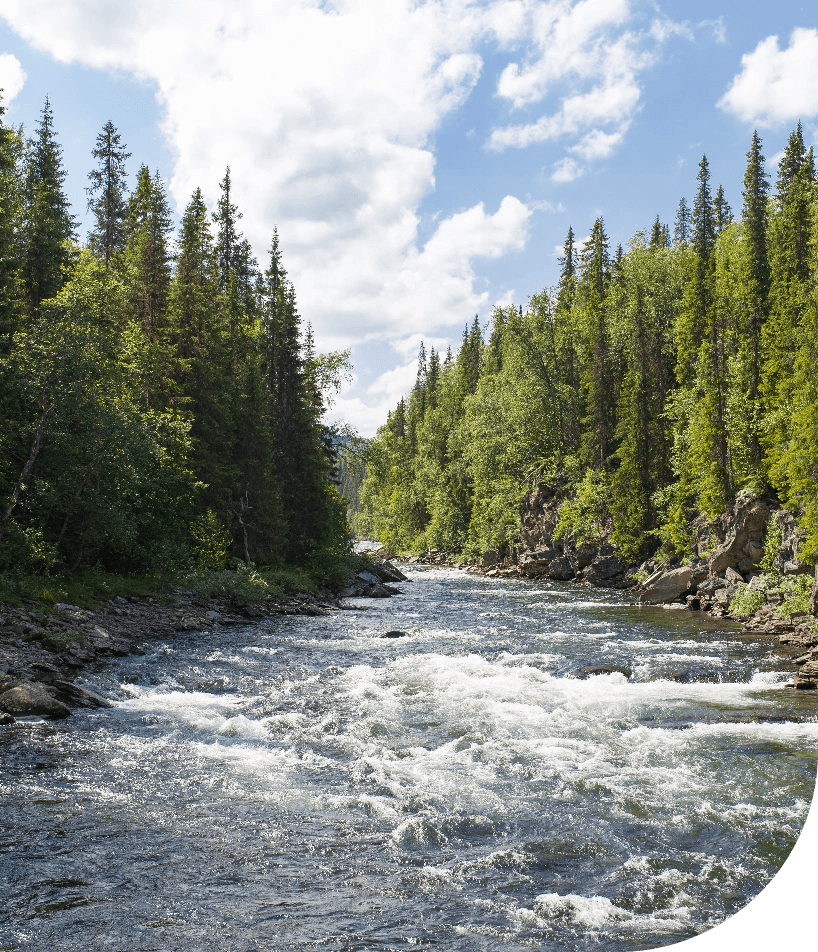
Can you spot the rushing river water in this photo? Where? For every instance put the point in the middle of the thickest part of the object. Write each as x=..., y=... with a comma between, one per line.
x=307, y=784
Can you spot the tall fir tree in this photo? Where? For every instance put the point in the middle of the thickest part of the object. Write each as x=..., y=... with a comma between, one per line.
x=681, y=229
x=659, y=235
x=148, y=252
x=791, y=276
x=755, y=219
x=722, y=213
x=49, y=226
x=597, y=381
x=107, y=194
x=11, y=210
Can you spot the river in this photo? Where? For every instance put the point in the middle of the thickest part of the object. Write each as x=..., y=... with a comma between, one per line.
x=307, y=784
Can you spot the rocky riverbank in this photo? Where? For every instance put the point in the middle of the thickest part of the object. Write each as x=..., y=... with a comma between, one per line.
x=732, y=556
x=48, y=652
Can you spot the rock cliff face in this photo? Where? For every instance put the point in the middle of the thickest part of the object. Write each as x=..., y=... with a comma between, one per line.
x=540, y=555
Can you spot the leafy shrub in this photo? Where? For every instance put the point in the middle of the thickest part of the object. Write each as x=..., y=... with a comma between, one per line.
x=586, y=516
x=212, y=541
x=773, y=538
x=747, y=600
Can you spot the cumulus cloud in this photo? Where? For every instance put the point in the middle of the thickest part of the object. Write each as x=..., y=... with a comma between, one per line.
x=589, y=44
x=326, y=111
x=776, y=85
x=12, y=77
x=566, y=170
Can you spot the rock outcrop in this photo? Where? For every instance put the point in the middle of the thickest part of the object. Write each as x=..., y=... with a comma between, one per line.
x=541, y=556
x=744, y=526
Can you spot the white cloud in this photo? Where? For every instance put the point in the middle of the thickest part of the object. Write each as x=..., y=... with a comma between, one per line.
x=776, y=85
x=718, y=28
x=12, y=77
x=599, y=144
x=566, y=170
x=326, y=111
x=506, y=299
x=586, y=43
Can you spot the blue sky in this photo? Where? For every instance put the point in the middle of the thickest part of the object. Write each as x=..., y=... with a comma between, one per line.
x=423, y=160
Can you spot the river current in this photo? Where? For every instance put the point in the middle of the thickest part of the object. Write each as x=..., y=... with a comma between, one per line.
x=307, y=784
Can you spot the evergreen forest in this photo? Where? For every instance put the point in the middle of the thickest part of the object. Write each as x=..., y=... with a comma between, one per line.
x=650, y=386
x=161, y=404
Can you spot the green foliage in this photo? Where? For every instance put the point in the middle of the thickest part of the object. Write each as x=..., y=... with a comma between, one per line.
x=747, y=600
x=793, y=590
x=147, y=410
x=651, y=385
x=796, y=590
x=212, y=541
x=773, y=538
x=586, y=516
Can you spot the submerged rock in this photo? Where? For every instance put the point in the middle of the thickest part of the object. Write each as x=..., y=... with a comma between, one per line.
x=395, y=634
x=589, y=670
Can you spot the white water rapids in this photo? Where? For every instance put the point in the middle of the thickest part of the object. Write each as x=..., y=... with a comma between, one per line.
x=307, y=784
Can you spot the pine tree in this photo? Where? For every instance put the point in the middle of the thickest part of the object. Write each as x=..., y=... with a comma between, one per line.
x=11, y=206
x=754, y=228
x=597, y=381
x=107, y=194
x=659, y=235
x=49, y=225
x=790, y=236
x=568, y=270
x=722, y=213
x=681, y=230
x=148, y=252
x=433, y=377
x=228, y=240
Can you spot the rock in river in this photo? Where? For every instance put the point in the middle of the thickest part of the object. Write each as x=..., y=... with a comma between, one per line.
x=28, y=700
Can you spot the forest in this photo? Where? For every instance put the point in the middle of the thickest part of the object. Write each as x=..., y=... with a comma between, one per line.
x=161, y=404
x=651, y=385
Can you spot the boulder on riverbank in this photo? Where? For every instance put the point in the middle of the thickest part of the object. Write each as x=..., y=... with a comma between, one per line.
x=665, y=586
x=32, y=700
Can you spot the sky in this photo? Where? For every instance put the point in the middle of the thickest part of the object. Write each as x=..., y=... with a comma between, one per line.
x=422, y=159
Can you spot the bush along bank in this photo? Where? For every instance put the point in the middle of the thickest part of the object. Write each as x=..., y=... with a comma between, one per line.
x=49, y=648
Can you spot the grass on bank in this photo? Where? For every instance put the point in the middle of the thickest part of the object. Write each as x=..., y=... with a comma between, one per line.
x=250, y=585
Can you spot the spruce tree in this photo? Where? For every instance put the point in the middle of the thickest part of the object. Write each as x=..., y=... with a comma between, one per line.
x=228, y=239
x=659, y=235
x=11, y=207
x=107, y=194
x=433, y=377
x=148, y=252
x=681, y=230
x=598, y=388
x=754, y=225
x=49, y=225
x=791, y=277
x=722, y=213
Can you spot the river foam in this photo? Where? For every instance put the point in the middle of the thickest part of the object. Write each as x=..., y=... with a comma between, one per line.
x=480, y=783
